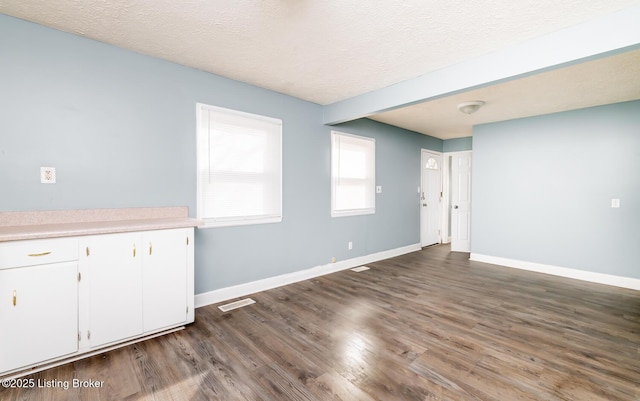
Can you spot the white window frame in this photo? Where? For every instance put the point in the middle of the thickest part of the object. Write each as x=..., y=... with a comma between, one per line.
x=369, y=181
x=203, y=169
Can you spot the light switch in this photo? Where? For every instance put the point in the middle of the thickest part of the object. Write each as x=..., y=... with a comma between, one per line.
x=379, y=189
x=48, y=175
x=615, y=203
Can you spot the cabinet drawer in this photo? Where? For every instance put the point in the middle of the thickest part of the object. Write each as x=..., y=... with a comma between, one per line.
x=37, y=252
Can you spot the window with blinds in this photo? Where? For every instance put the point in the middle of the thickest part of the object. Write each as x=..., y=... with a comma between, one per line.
x=353, y=175
x=239, y=167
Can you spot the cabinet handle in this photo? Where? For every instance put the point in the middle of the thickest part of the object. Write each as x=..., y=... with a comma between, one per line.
x=15, y=298
x=40, y=254
x=134, y=250
x=150, y=248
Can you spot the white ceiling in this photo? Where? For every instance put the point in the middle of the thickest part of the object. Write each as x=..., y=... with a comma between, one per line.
x=326, y=51
x=604, y=81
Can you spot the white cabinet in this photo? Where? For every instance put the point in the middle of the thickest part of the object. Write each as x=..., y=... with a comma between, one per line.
x=112, y=271
x=38, y=301
x=138, y=283
x=164, y=284
x=65, y=297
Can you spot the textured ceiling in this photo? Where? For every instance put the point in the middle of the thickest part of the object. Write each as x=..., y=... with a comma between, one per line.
x=321, y=51
x=609, y=80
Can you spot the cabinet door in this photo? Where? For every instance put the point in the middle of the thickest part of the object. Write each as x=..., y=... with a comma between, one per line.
x=164, y=278
x=38, y=314
x=114, y=266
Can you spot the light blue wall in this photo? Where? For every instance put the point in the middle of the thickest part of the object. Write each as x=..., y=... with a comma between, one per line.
x=458, y=144
x=542, y=189
x=120, y=129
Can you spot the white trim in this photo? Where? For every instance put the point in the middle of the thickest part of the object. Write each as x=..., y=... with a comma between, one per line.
x=355, y=212
x=241, y=290
x=445, y=203
x=212, y=223
x=600, y=278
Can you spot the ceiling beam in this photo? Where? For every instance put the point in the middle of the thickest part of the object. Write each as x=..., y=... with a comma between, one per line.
x=612, y=34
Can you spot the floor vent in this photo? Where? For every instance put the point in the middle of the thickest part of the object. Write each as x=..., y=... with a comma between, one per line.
x=236, y=304
x=360, y=269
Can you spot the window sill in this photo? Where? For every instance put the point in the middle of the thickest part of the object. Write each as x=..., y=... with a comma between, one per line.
x=347, y=213
x=210, y=223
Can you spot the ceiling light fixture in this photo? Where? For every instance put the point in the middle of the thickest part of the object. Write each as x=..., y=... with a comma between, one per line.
x=470, y=107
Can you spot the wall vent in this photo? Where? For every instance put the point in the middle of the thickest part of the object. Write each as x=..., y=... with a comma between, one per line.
x=236, y=304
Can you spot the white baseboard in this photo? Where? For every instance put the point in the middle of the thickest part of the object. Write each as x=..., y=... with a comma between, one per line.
x=241, y=290
x=600, y=278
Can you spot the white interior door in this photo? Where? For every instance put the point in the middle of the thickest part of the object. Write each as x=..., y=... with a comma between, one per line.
x=430, y=198
x=461, y=202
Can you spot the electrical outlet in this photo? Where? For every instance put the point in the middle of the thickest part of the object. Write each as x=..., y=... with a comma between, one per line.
x=47, y=175
x=350, y=245
x=615, y=203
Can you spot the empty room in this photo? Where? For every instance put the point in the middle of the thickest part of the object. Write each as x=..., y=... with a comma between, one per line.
x=319, y=200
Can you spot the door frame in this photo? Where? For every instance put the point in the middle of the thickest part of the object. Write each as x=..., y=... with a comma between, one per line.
x=446, y=198
x=423, y=151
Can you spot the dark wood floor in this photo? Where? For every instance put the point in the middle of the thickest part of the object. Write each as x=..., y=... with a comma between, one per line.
x=425, y=326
